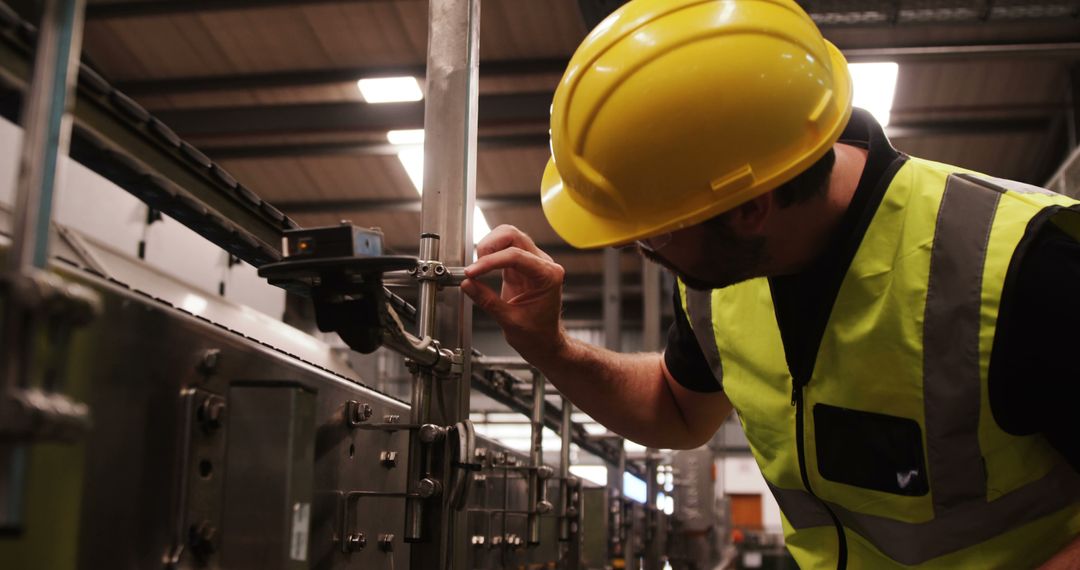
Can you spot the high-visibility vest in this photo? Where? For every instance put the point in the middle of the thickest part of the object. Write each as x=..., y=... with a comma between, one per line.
x=889, y=455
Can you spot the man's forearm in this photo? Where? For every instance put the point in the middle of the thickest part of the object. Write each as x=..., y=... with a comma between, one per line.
x=628, y=393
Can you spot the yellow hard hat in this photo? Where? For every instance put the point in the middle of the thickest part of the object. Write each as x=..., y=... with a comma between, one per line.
x=673, y=111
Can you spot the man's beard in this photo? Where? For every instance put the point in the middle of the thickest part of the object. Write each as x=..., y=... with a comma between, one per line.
x=738, y=259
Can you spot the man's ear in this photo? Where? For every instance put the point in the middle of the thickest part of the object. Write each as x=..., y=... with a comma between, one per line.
x=750, y=217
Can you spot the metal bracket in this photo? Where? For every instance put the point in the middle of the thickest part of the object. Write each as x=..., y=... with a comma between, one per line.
x=46, y=304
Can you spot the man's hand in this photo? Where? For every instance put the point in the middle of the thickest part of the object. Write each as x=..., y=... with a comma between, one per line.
x=530, y=303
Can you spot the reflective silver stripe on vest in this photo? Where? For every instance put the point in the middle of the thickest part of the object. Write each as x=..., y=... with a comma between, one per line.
x=1002, y=184
x=952, y=388
x=699, y=311
x=915, y=543
x=951, y=378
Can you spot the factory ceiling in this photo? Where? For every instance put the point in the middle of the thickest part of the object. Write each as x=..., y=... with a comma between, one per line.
x=268, y=89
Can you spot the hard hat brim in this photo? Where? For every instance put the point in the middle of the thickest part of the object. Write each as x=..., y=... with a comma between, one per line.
x=584, y=229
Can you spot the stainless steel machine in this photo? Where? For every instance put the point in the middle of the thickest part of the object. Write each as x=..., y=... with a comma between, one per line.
x=137, y=432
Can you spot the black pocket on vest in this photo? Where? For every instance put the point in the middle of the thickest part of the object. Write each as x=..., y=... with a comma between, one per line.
x=868, y=450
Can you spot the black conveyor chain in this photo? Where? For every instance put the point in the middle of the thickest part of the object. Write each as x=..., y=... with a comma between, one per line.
x=115, y=137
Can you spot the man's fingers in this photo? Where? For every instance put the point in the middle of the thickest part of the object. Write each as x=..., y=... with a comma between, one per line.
x=507, y=236
x=483, y=296
x=541, y=270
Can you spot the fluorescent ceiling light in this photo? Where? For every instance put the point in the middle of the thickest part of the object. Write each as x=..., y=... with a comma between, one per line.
x=412, y=159
x=390, y=89
x=407, y=136
x=874, y=86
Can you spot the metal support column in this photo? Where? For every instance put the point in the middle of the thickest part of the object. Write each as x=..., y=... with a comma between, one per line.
x=536, y=459
x=47, y=127
x=612, y=300
x=616, y=491
x=650, y=342
x=653, y=555
x=446, y=210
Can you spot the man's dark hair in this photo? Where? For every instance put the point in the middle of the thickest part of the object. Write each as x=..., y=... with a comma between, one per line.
x=811, y=183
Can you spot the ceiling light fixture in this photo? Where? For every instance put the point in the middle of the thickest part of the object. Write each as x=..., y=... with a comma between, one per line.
x=874, y=86
x=411, y=157
x=406, y=136
x=390, y=89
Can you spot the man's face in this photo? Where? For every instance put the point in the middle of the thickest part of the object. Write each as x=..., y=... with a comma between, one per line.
x=710, y=255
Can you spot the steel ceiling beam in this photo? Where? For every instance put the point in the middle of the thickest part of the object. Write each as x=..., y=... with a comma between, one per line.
x=236, y=152
x=410, y=204
x=522, y=109
x=310, y=77
x=516, y=109
x=827, y=13
x=526, y=67
x=140, y=8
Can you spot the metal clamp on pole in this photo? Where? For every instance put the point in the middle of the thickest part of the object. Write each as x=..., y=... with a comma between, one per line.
x=539, y=473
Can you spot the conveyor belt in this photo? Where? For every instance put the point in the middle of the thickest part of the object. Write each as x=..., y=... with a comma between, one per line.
x=118, y=139
x=115, y=137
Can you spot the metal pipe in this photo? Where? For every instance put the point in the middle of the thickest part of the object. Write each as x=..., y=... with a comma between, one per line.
x=449, y=195
x=652, y=514
x=47, y=131
x=564, y=469
x=421, y=392
x=502, y=363
x=612, y=300
x=536, y=457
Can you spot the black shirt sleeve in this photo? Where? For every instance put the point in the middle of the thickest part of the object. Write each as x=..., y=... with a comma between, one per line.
x=1034, y=380
x=683, y=355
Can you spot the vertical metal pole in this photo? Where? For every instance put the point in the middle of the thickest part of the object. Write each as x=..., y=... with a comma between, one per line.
x=564, y=468
x=616, y=481
x=449, y=196
x=651, y=333
x=536, y=457
x=420, y=412
x=47, y=131
x=652, y=518
x=612, y=300
x=650, y=341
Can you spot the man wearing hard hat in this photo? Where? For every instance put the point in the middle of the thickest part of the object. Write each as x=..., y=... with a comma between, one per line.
x=873, y=317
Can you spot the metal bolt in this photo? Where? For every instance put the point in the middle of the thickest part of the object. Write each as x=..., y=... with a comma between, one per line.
x=428, y=487
x=478, y=540
x=424, y=268
x=386, y=542
x=543, y=507
x=440, y=270
x=209, y=361
x=496, y=540
x=201, y=538
x=500, y=457
x=357, y=413
x=388, y=459
x=430, y=433
x=544, y=472
x=355, y=541
x=211, y=413
x=481, y=453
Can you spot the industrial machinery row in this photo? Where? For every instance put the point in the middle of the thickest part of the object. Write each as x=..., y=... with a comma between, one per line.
x=138, y=432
